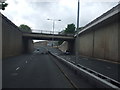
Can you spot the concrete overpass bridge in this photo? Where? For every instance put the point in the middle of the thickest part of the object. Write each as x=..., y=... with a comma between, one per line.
x=70, y=39
x=43, y=36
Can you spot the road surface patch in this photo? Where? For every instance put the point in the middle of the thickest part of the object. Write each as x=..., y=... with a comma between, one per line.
x=14, y=74
x=26, y=62
x=17, y=68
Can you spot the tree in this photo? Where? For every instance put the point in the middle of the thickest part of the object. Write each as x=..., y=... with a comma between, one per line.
x=25, y=28
x=60, y=42
x=80, y=28
x=3, y=5
x=70, y=29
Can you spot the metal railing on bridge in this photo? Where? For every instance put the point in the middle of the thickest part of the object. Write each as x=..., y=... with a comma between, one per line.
x=50, y=32
x=45, y=31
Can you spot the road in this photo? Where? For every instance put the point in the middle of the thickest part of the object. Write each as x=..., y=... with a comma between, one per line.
x=33, y=71
x=39, y=70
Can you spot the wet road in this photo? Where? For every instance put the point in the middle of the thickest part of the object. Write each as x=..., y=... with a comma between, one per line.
x=33, y=71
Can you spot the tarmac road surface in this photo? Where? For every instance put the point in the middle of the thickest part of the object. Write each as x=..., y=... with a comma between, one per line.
x=32, y=71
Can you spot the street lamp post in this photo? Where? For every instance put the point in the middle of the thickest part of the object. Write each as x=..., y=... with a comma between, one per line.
x=78, y=10
x=53, y=20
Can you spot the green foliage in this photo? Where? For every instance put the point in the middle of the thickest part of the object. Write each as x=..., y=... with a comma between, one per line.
x=80, y=28
x=25, y=28
x=70, y=29
x=3, y=5
x=60, y=42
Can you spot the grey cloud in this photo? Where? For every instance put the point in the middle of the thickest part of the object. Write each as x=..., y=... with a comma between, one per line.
x=53, y=10
x=90, y=11
x=40, y=11
x=16, y=2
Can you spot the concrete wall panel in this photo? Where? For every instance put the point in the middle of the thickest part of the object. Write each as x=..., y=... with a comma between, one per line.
x=86, y=44
x=71, y=46
x=0, y=51
x=99, y=43
x=119, y=40
x=102, y=41
x=111, y=43
x=12, y=39
x=0, y=37
x=106, y=44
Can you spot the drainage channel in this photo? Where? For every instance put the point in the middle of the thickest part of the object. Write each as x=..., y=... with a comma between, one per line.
x=66, y=76
x=114, y=82
x=110, y=80
x=101, y=80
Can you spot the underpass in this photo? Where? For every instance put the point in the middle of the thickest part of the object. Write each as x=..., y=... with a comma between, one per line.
x=36, y=70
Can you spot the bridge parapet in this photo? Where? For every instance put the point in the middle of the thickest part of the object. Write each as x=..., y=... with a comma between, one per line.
x=42, y=36
x=44, y=31
x=49, y=32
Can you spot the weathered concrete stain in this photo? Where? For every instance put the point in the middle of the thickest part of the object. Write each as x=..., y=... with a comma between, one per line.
x=101, y=41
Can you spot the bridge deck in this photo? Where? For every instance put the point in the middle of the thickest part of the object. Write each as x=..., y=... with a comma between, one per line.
x=42, y=36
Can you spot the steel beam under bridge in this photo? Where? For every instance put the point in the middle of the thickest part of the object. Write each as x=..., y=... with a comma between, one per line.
x=41, y=36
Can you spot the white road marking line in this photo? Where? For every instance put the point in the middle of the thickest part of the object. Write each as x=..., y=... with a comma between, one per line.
x=108, y=67
x=17, y=68
x=30, y=58
x=14, y=74
x=85, y=58
x=26, y=62
x=73, y=62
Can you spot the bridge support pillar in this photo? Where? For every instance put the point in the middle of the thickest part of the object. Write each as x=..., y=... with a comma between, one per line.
x=28, y=45
x=71, y=46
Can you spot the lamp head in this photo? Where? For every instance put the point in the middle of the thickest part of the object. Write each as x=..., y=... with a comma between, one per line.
x=59, y=20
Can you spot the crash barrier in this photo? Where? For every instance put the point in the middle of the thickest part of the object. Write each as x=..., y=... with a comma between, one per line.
x=93, y=77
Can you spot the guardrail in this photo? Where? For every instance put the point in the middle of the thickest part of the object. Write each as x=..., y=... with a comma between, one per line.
x=110, y=80
x=45, y=31
x=50, y=32
x=92, y=76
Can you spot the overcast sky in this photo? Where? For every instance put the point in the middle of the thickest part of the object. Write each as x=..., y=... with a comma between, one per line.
x=35, y=13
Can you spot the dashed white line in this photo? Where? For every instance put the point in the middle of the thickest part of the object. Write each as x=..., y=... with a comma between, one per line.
x=26, y=62
x=73, y=62
x=108, y=67
x=17, y=68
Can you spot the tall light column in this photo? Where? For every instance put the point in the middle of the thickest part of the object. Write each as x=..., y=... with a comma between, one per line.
x=53, y=20
x=76, y=61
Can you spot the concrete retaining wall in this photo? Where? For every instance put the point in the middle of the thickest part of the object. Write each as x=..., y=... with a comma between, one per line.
x=106, y=42
x=27, y=45
x=12, y=43
x=101, y=42
x=86, y=44
x=0, y=37
x=119, y=39
x=0, y=52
